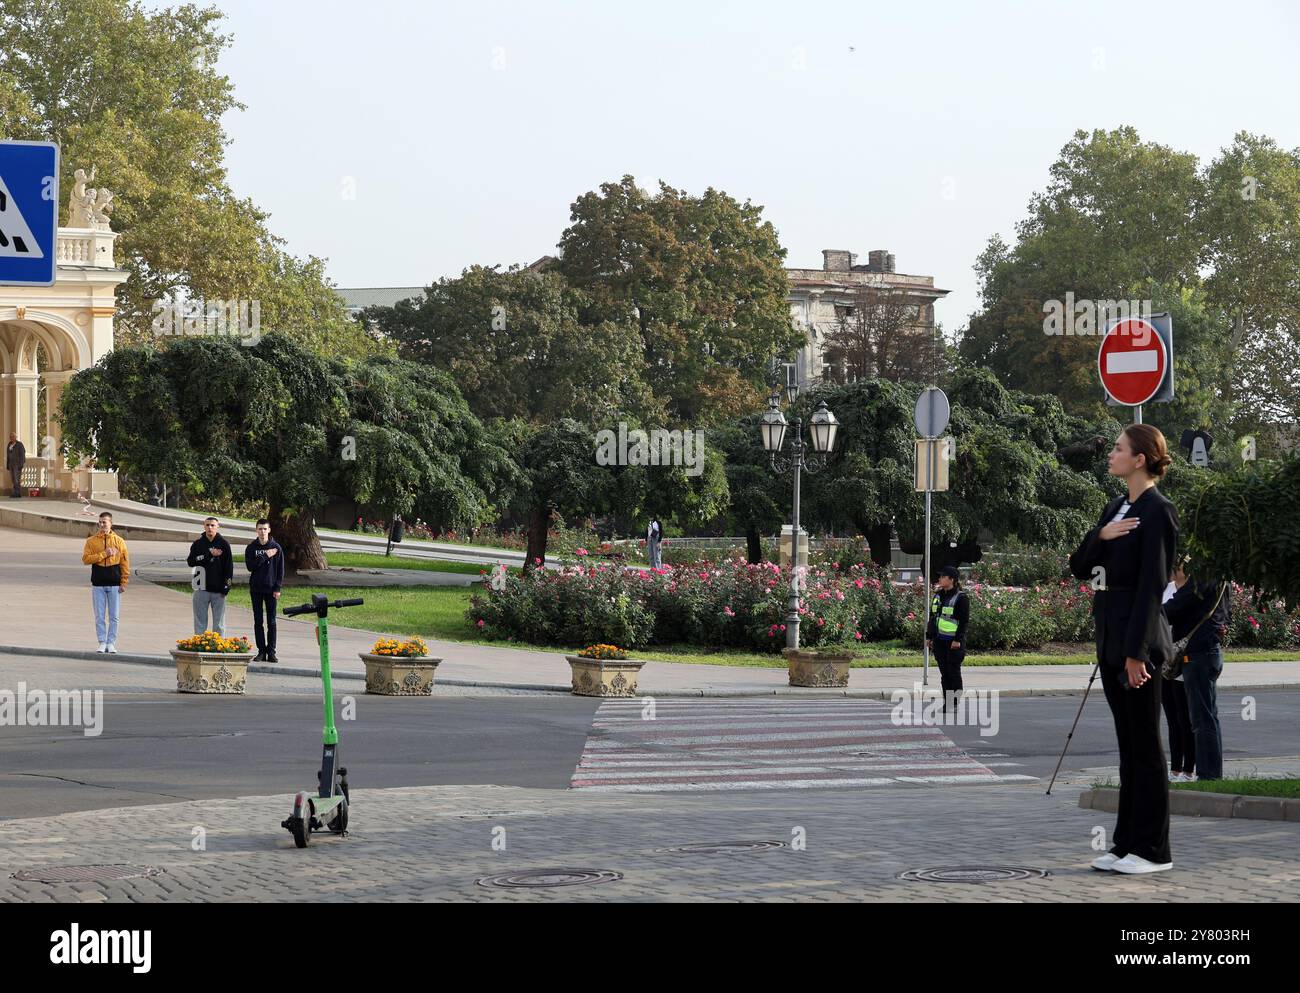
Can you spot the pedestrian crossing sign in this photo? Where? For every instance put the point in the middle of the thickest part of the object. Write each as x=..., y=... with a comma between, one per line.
x=29, y=212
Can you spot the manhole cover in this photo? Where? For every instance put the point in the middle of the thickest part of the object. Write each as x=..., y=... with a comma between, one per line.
x=972, y=874
x=550, y=877
x=86, y=873
x=724, y=848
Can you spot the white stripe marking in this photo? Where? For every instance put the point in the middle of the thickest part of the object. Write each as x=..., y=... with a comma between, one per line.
x=1121, y=362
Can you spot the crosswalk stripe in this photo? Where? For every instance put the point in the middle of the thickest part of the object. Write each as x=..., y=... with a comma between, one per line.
x=768, y=744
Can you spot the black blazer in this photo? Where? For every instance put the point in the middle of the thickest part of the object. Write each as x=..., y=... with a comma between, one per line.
x=1136, y=567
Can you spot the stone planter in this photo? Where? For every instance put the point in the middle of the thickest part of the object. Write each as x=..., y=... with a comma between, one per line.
x=604, y=677
x=818, y=668
x=395, y=675
x=211, y=672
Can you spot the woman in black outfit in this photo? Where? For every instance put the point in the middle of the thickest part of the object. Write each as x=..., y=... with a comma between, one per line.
x=1129, y=555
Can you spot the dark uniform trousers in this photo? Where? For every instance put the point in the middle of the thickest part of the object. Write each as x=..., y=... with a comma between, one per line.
x=1142, y=826
x=949, y=660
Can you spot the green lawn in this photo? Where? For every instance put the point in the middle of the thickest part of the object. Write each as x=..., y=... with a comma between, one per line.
x=1287, y=787
x=429, y=611
x=439, y=612
x=370, y=560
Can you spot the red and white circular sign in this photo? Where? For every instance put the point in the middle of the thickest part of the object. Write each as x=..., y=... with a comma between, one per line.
x=1132, y=361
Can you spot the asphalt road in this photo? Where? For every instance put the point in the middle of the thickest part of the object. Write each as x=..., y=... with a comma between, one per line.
x=162, y=747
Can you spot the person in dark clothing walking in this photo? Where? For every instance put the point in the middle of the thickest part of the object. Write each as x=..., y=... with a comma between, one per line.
x=265, y=561
x=1203, y=610
x=946, y=635
x=15, y=459
x=214, y=568
x=1129, y=556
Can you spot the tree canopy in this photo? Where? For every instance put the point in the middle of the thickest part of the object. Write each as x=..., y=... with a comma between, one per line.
x=1122, y=219
x=134, y=93
x=703, y=279
x=278, y=423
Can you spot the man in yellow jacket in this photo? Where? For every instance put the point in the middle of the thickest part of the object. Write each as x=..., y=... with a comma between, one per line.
x=110, y=571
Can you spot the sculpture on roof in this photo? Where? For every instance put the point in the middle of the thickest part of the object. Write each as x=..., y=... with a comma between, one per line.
x=89, y=208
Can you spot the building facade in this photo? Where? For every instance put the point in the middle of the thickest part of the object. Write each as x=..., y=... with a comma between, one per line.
x=821, y=298
x=48, y=334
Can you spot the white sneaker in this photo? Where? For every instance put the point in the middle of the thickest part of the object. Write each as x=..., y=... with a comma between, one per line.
x=1175, y=777
x=103, y=647
x=1136, y=865
x=112, y=649
x=1105, y=862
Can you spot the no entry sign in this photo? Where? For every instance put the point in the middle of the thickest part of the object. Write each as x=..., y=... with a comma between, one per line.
x=1132, y=361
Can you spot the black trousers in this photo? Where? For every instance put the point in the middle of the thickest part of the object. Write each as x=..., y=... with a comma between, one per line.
x=16, y=477
x=1142, y=827
x=1182, y=743
x=949, y=660
x=264, y=599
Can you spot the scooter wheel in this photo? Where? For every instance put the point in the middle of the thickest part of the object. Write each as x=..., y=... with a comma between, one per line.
x=300, y=828
x=340, y=822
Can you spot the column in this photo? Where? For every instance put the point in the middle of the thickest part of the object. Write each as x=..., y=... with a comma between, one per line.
x=59, y=478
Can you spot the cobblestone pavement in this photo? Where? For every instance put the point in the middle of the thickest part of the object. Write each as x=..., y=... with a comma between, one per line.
x=434, y=843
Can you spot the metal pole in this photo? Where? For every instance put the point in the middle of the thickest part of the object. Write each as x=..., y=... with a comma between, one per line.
x=792, y=620
x=925, y=568
x=1138, y=412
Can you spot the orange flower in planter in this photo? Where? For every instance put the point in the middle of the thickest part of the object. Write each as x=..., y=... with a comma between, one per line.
x=604, y=652
x=210, y=641
x=412, y=647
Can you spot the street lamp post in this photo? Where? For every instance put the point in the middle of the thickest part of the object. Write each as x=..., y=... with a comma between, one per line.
x=823, y=427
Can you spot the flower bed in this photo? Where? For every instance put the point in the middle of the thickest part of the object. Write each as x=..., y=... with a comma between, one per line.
x=727, y=604
x=732, y=604
x=1261, y=624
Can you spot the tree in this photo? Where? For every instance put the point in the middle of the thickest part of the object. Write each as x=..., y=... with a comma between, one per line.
x=703, y=279
x=136, y=95
x=559, y=467
x=1249, y=221
x=882, y=337
x=1231, y=527
x=517, y=345
x=1006, y=477
x=757, y=495
x=280, y=424
x=1117, y=216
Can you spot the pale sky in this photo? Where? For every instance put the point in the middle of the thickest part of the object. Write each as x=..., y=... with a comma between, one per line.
x=465, y=130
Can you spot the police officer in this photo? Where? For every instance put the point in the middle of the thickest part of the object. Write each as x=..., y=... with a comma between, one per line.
x=946, y=635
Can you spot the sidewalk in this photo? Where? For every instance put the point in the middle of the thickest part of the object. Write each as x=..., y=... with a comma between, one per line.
x=46, y=607
x=144, y=522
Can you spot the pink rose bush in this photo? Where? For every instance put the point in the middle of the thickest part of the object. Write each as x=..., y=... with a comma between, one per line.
x=724, y=604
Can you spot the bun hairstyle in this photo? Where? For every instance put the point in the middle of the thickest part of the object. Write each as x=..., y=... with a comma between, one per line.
x=1149, y=441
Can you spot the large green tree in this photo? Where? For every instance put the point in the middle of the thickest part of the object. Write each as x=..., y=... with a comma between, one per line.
x=1006, y=477
x=280, y=424
x=1116, y=217
x=517, y=344
x=1250, y=231
x=134, y=93
x=703, y=279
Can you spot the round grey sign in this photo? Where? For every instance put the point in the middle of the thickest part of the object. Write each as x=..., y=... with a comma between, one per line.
x=932, y=412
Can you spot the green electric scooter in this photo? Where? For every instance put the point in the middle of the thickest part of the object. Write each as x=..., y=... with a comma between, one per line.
x=330, y=805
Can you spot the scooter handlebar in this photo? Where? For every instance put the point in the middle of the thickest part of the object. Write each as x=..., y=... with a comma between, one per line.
x=319, y=602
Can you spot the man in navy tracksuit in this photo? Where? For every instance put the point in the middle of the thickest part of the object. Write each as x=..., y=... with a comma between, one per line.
x=265, y=561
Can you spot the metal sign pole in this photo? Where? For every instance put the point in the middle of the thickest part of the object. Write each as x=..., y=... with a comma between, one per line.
x=1138, y=414
x=925, y=573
